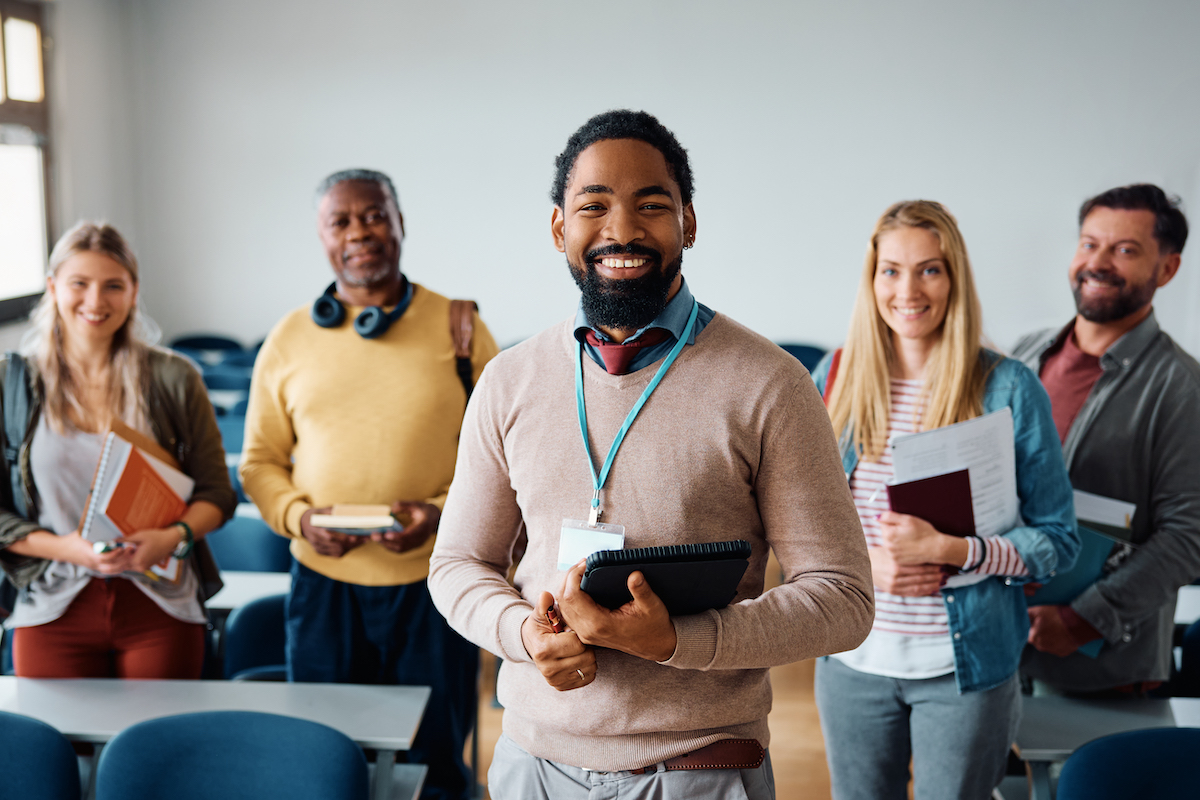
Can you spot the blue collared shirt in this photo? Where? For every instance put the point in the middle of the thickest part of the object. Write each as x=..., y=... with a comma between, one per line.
x=988, y=621
x=673, y=319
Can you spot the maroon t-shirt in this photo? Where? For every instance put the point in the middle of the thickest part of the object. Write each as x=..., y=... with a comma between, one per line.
x=1069, y=376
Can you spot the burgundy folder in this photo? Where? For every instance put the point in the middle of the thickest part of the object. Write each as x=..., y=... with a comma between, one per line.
x=944, y=501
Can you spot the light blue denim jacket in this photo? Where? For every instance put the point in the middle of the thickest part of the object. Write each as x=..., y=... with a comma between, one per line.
x=988, y=620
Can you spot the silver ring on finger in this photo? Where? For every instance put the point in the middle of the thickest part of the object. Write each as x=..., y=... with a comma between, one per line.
x=579, y=672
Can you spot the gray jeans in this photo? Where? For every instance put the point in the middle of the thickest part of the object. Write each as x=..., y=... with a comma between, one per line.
x=516, y=775
x=873, y=725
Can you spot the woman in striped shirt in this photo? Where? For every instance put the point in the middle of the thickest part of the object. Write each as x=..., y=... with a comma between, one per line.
x=935, y=681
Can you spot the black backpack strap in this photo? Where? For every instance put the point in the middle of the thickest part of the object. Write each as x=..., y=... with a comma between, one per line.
x=16, y=421
x=462, y=329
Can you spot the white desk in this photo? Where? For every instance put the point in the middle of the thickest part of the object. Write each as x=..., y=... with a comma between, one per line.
x=243, y=587
x=1187, y=607
x=1052, y=728
x=384, y=718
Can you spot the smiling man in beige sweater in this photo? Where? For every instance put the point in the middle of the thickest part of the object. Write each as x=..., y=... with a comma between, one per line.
x=732, y=443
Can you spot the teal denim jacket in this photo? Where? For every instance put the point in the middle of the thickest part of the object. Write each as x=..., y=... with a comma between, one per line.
x=988, y=620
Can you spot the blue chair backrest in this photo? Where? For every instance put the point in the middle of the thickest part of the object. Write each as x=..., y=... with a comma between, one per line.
x=233, y=431
x=246, y=543
x=6, y=662
x=1156, y=762
x=226, y=377
x=205, y=341
x=807, y=354
x=207, y=350
x=255, y=637
x=240, y=358
x=230, y=755
x=36, y=761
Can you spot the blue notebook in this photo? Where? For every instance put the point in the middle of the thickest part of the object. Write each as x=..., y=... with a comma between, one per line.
x=1069, y=584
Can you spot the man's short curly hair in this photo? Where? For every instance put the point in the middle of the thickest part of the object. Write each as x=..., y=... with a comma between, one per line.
x=623, y=124
x=369, y=175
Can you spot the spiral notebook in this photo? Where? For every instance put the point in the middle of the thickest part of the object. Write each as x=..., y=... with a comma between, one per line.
x=688, y=578
x=134, y=489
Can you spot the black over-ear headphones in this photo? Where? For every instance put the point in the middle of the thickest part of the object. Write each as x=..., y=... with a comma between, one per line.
x=373, y=322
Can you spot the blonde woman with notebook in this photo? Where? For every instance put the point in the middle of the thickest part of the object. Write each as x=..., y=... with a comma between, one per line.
x=86, y=610
x=936, y=679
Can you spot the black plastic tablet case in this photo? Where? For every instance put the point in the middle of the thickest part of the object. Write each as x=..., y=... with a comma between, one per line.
x=689, y=578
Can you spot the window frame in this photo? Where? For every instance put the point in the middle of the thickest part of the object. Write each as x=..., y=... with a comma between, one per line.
x=36, y=117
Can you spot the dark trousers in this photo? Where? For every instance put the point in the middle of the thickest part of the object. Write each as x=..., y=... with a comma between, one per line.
x=343, y=633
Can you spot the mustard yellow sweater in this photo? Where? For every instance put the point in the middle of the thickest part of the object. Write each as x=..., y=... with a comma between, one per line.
x=335, y=418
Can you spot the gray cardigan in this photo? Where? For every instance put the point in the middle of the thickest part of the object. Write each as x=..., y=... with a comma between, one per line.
x=1136, y=438
x=182, y=421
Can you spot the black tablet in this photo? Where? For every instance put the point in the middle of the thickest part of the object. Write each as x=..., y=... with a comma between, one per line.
x=689, y=578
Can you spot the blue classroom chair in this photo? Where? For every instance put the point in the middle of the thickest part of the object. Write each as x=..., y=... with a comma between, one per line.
x=1160, y=763
x=236, y=481
x=233, y=431
x=806, y=354
x=255, y=641
x=225, y=377
x=206, y=348
x=246, y=543
x=230, y=755
x=36, y=761
x=6, y=662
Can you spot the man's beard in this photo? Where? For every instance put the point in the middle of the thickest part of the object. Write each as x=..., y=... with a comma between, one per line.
x=1128, y=299
x=372, y=277
x=627, y=303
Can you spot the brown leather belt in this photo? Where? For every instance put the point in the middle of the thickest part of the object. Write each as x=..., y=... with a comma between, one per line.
x=725, y=754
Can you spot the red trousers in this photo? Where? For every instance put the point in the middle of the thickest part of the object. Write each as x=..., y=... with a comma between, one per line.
x=110, y=630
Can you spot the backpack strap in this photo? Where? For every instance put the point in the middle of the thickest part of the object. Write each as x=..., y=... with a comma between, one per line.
x=16, y=421
x=832, y=374
x=462, y=329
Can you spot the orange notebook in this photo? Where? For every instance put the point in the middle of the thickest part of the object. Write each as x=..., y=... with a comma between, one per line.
x=134, y=490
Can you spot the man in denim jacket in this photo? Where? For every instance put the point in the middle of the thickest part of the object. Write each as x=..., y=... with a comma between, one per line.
x=1126, y=403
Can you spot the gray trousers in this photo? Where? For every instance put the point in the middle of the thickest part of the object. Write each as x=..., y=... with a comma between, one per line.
x=873, y=725
x=516, y=775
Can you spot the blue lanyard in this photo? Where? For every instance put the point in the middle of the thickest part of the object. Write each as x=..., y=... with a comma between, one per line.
x=598, y=481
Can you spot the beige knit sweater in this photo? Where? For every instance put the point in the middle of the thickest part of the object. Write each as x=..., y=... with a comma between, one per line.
x=734, y=444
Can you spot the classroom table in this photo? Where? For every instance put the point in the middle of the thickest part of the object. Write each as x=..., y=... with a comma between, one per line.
x=243, y=587
x=1187, y=606
x=383, y=718
x=1054, y=727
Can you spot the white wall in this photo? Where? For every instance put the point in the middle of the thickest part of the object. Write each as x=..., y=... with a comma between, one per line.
x=10, y=336
x=804, y=121
x=94, y=157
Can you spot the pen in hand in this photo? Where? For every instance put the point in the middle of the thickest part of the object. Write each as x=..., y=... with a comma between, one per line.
x=554, y=620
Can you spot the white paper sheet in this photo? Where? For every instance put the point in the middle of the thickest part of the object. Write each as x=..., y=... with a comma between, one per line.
x=984, y=447
x=1105, y=510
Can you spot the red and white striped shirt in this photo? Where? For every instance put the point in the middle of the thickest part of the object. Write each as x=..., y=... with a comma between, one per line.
x=911, y=635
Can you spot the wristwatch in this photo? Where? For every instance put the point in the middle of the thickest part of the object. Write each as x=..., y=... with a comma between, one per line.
x=185, y=544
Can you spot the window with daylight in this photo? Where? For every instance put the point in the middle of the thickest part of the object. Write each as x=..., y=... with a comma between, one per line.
x=24, y=162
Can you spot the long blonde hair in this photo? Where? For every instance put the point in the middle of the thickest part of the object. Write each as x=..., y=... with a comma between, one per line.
x=956, y=374
x=43, y=343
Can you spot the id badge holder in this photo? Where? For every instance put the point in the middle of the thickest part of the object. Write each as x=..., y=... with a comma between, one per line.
x=579, y=540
